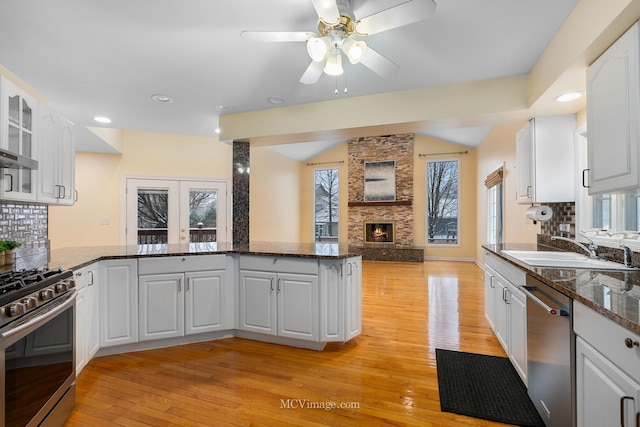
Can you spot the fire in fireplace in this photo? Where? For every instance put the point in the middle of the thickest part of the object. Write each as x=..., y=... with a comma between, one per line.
x=379, y=232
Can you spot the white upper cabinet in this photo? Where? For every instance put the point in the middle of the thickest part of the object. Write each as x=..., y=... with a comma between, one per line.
x=56, y=171
x=613, y=117
x=18, y=113
x=545, y=160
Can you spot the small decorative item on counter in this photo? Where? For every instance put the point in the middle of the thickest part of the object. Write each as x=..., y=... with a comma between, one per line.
x=6, y=251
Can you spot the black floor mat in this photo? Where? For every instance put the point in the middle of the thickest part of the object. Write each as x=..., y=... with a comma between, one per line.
x=485, y=387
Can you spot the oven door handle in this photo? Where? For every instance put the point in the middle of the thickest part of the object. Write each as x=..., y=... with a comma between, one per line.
x=528, y=290
x=43, y=317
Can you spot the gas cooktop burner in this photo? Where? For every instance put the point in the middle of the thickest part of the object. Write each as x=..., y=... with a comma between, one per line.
x=23, y=291
x=17, y=279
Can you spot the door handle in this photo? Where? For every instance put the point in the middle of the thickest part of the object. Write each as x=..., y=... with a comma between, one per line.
x=622, y=399
x=528, y=290
x=584, y=181
x=272, y=284
x=179, y=285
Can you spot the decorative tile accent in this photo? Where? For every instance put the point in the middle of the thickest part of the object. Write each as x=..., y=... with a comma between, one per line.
x=24, y=223
x=240, y=177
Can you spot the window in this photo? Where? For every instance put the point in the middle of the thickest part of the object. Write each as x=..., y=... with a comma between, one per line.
x=494, y=214
x=442, y=202
x=326, y=185
x=608, y=219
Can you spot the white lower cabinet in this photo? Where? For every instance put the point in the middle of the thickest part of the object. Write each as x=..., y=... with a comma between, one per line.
x=279, y=296
x=607, y=371
x=118, y=302
x=506, y=309
x=282, y=304
x=87, y=315
x=185, y=296
x=340, y=299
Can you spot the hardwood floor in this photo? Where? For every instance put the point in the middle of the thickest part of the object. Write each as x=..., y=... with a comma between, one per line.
x=386, y=376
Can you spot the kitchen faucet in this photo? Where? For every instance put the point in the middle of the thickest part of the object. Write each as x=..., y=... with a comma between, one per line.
x=592, y=250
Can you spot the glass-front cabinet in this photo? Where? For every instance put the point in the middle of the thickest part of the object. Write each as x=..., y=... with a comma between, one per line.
x=17, y=117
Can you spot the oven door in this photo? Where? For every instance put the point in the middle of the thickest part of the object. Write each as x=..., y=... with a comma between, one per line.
x=37, y=365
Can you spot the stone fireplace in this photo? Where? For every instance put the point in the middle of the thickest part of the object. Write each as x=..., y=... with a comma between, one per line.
x=382, y=229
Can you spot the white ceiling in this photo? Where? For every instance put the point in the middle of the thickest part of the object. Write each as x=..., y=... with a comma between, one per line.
x=107, y=57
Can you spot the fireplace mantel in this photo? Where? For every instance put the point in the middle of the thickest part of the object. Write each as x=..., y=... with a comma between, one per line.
x=391, y=203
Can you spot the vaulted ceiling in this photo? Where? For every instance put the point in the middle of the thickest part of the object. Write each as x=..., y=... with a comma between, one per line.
x=108, y=57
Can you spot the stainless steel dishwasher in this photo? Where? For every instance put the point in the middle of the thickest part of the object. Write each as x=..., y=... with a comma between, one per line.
x=550, y=354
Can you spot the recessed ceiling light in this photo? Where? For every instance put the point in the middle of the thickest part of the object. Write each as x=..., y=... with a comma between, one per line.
x=568, y=97
x=217, y=131
x=224, y=108
x=276, y=100
x=101, y=119
x=162, y=99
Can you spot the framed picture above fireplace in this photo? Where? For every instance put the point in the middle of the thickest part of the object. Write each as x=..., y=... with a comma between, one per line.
x=380, y=181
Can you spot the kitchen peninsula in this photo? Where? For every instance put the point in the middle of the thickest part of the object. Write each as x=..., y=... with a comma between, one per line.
x=151, y=296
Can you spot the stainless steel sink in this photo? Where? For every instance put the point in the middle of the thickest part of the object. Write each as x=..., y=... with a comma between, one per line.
x=563, y=260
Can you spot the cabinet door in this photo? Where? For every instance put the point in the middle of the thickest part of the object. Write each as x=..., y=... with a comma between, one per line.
x=297, y=306
x=48, y=155
x=161, y=308
x=66, y=163
x=332, y=286
x=502, y=311
x=612, y=116
x=258, y=302
x=490, y=296
x=606, y=396
x=525, y=190
x=18, y=121
x=518, y=331
x=93, y=312
x=118, y=302
x=204, y=301
x=81, y=329
x=353, y=306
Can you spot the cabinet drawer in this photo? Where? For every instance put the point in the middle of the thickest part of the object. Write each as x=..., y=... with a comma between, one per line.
x=279, y=264
x=607, y=337
x=181, y=264
x=505, y=268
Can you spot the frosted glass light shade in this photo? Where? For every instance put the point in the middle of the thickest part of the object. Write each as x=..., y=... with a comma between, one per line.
x=334, y=65
x=317, y=47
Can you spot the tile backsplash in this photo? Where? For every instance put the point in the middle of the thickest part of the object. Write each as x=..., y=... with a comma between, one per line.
x=24, y=223
x=563, y=213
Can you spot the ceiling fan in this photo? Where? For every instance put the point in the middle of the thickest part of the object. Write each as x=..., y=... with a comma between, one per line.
x=339, y=32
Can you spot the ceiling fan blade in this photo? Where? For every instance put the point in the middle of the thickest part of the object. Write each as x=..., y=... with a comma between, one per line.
x=313, y=72
x=406, y=13
x=277, y=36
x=327, y=10
x=379, y=64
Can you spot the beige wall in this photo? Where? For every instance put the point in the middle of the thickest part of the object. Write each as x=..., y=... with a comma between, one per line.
x=498, y=147
x=422, y=145
x=99, y=179
x=466, y=248
x=336, y=157
x=274, y=198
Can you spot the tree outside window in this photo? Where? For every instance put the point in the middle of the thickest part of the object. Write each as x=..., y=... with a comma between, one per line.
x=326, y=204
x=442, y=202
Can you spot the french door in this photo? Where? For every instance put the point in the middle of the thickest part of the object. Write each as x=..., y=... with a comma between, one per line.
x=162, y=211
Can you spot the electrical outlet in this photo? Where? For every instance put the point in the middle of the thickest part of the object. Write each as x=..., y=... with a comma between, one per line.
x=565, y=227
x=105, y=220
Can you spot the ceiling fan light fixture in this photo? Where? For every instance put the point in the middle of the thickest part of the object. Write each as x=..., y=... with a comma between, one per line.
x=355, y=50
x=318, y=48
x=334, y=65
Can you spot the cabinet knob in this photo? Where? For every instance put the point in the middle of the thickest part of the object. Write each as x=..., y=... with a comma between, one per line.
x=631, y=343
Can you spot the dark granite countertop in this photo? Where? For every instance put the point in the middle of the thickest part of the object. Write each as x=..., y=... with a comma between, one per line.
x=77, y=257
x=614, y=294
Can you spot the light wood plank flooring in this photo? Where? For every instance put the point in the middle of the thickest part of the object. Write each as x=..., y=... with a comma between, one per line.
x=386, y=376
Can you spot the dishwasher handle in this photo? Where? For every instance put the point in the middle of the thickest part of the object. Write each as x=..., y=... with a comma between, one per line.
x=528, y=290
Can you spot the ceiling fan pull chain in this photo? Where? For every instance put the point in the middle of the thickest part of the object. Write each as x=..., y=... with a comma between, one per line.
x=336, y=91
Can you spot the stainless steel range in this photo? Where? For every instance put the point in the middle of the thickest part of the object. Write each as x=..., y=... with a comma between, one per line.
x=37, y=310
